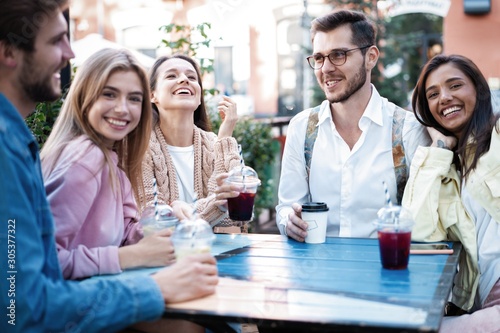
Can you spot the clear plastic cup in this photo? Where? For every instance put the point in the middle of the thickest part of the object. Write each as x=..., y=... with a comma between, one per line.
x=192, y=237
x=394, y=226
x=152, y=223
x=241, y=207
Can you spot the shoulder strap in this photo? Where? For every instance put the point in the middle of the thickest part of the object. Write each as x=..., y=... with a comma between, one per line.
x=311, y=134
x=398, y=152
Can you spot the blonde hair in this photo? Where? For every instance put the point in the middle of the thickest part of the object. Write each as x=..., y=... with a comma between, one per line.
x=72, y=121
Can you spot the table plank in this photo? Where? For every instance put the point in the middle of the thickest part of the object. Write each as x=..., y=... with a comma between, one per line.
x=283, y=284
x=286, y=286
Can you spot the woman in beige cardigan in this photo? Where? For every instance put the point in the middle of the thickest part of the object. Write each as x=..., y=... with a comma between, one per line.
x=184, y=155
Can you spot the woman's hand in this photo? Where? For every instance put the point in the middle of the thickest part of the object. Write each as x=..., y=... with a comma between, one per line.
x=229, y=116
x=182, y=210
x=440, y=140
x=151, y=251
x=224, y=191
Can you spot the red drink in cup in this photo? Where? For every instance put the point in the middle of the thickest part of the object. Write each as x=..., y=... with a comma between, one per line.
x=394, y=248
x=394, y=226
x=241, y=208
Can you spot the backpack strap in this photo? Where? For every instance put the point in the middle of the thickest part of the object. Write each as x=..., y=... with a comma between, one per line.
x=398, y=152
x=311, y=134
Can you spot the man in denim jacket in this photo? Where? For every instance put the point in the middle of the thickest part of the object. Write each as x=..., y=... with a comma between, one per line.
x=34, y=47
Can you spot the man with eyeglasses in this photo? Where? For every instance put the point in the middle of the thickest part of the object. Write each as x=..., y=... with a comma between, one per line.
x=342, y=151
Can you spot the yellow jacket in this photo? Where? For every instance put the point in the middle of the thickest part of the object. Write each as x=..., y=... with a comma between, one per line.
x=433, y=195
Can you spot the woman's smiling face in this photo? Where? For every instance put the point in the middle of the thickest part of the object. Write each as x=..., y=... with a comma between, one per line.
x=177, y=86
x=118, y=108
x=451, y=96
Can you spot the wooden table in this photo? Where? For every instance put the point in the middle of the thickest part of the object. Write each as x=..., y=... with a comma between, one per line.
x=285, y=286
x=340, y=285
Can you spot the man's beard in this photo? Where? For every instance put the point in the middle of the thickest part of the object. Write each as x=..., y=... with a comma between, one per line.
x=352, y=88
x=37, y=85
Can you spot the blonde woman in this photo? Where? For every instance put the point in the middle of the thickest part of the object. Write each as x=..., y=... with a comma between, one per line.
x=91, y=165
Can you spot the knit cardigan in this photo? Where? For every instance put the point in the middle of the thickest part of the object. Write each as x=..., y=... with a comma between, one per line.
x=212, y=156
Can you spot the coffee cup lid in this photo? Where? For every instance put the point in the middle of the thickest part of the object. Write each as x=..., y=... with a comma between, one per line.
x=314, y=207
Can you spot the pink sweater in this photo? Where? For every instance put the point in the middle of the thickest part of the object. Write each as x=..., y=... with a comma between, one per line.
x=92, y=219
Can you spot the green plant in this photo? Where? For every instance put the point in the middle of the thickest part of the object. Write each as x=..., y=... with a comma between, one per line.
x=260, y=151
x=189, y=40
x=42, y=120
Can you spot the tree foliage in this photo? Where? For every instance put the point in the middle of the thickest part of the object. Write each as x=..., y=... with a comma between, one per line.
x=41, y=121
x=403, y=41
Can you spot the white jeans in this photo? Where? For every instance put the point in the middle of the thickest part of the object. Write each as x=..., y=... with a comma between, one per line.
x=486, y=320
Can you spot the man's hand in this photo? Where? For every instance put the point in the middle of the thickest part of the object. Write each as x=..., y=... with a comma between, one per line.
x=296, y=228
x=191, y=277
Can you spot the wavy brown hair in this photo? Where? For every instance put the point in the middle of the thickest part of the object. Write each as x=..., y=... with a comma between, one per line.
x=477, y=133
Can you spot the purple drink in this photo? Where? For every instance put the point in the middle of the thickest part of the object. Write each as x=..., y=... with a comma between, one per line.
x=241, y=207
x=394, y=248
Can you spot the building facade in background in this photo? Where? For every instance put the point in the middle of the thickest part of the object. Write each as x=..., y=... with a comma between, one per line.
x=259, y=46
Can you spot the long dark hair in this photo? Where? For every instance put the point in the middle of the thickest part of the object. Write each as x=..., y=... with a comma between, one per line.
x=475, y=141
x=200, y=117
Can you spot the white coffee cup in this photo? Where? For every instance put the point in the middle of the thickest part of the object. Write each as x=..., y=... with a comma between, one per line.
x=316, y=216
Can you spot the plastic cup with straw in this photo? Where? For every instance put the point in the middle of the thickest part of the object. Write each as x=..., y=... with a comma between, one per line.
x=192, y=236
x=394, y=226
x=240, y=208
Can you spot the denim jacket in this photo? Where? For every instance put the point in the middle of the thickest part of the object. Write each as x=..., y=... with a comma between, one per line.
x=33, y=291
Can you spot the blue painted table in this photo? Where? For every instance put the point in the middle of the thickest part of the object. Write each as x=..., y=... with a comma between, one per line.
x=340, y=286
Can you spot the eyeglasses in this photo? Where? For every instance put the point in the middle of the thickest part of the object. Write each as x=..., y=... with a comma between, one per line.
x=336, y=57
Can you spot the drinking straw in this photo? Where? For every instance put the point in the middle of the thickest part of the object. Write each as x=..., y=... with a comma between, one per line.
x=155, y=195
x=195, y=200
x=387, y=195
x=241, y=156
x=242, y=162
x=193, y=218
x=388, y=202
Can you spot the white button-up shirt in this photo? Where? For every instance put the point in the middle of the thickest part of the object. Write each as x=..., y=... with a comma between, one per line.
x=348, y=181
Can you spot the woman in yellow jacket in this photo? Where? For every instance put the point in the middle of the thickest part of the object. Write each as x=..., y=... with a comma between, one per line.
x=454, y=185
